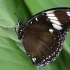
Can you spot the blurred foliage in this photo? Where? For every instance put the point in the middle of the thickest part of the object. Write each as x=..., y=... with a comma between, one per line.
x=11, y=56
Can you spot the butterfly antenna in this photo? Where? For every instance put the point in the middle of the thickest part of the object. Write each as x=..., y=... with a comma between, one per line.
x=17, y=16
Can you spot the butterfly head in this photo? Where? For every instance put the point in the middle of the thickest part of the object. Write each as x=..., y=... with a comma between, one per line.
x=19, y=29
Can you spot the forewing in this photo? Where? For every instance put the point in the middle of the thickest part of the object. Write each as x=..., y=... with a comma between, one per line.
x=41, y=42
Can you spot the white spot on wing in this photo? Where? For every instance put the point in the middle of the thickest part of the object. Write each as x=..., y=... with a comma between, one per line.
x=50, y=14
x=56, y=22
x=43, y=60
x=34, y=59
x=51, y=47
x=49, y=56
x=31, y=22
x=57, y=27
x=46, y=58
x=52, y=17
x=21, y=30
x=68, y=13
x=51, y=30
x=36, y=19
x=28, y=55
x=42, y=64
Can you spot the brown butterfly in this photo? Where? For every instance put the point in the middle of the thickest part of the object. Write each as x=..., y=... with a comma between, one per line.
x=43, y=35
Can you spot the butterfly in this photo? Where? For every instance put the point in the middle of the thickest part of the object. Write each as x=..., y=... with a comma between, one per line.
x=43, y=35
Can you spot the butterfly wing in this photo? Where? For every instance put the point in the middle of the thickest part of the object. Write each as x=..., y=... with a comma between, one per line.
x=41, y=42
x=44, y=35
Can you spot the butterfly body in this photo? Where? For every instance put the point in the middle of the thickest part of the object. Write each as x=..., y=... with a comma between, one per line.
x=43, y=35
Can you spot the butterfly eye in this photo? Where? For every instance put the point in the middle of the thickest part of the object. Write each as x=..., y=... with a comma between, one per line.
x=43, y=35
